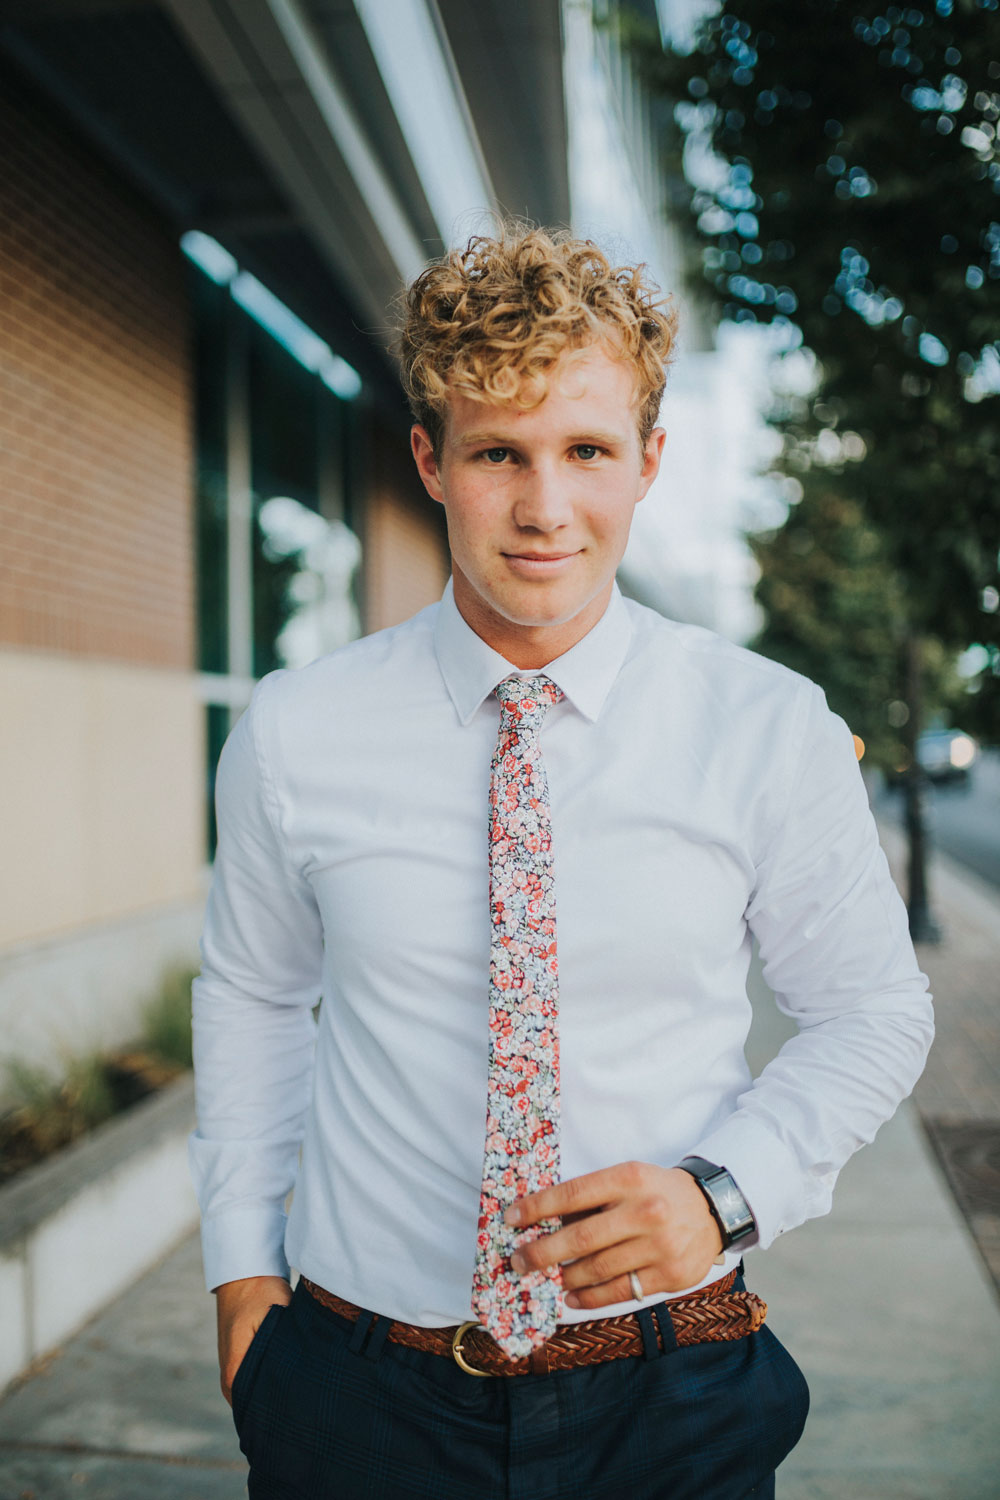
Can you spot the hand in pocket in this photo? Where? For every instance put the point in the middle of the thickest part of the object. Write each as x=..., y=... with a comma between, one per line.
x=241, y=1307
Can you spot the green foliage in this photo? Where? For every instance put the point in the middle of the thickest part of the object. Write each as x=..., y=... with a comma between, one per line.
x=31, y=1086
x=833, y=610
x=50, y=1112
x=166, y=1031
x=978, y=708
x=852, y=198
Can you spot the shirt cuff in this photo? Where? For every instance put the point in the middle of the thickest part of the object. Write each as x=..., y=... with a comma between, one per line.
x=768, y=1175
x=243, y=1242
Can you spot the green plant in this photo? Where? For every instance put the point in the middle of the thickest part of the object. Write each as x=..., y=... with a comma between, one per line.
x=166, y=1020
x=49, y=1112
x=87, y=1091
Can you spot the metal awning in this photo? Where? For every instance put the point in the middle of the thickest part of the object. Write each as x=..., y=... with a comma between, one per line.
x=330, y=145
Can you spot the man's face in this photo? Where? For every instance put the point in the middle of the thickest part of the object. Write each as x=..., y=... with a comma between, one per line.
x=539, y=503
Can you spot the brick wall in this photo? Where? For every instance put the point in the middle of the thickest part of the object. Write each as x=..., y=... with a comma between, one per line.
x=406, y=561
x=95, y=394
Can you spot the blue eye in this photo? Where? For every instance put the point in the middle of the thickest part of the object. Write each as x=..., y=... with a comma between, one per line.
x=495, y=455
x=586, y=450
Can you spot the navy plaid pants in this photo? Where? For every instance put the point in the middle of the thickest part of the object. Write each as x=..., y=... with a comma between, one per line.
x=329, y=1410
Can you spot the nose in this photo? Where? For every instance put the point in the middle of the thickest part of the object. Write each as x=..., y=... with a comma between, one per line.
x=542, y=502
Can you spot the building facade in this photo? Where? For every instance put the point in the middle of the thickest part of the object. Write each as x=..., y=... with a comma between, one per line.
x=207, y=209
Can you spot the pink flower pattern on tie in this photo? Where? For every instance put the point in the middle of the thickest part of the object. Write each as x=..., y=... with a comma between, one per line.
x=522, y=1111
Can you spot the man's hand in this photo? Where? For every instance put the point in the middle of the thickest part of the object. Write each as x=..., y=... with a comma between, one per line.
x=633, y=1217
x=240, y=1309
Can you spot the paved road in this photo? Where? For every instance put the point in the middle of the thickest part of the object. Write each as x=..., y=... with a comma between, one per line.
x=964, y=820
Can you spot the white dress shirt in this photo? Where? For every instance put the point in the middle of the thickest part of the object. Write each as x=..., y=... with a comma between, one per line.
x=701, y=795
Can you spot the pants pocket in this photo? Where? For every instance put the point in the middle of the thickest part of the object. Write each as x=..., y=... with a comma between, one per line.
x=246, y=1375
x=718, y=1418
x=790, y=1394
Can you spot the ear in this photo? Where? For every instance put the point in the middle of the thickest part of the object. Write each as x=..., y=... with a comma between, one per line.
x=651, y=460
x=423, y=457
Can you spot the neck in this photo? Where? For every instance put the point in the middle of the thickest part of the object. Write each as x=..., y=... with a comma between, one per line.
x=527, y=647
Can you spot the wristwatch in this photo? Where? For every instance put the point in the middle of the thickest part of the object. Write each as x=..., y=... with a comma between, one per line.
x=730, y=1209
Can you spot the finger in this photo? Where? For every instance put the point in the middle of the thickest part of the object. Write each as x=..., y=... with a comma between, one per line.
x=578, y=1194
x=587, y=1235
x=610, y=1265
x=618, y=1289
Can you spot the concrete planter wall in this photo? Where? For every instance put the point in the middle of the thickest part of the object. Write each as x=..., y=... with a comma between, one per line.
x=78, y=1228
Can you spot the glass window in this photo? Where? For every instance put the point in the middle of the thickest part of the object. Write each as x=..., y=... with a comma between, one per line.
x=217, y=724
x=289, y=568
x=211, y=525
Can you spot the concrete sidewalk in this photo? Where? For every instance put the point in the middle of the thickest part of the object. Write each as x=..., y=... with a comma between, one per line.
x=896, y=1328
x=131, y=1409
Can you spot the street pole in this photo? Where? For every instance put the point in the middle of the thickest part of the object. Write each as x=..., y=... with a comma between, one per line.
x=923, y=926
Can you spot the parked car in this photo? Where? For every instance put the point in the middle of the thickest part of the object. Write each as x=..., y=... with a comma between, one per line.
x=944, y=755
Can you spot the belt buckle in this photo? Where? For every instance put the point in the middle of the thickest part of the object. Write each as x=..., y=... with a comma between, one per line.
x=457, y=1352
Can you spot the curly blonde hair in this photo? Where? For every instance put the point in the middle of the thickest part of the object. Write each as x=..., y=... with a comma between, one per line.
x=491, y=320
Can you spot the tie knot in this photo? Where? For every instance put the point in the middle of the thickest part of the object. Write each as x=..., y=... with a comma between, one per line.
x=524, y=701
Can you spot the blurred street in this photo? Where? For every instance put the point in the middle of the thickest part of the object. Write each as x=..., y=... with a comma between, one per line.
x=964, y=817
x=887, y=1304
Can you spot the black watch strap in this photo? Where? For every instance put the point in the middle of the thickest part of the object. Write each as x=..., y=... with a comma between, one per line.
x=729, y=1208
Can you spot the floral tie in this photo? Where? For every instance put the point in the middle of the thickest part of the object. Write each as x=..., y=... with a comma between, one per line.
x=522, y=1107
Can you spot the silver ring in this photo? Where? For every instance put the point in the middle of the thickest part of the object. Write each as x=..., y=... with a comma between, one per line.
x=636, y=1285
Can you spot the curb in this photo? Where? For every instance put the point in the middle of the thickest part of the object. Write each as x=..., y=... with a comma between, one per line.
x=77, y=1229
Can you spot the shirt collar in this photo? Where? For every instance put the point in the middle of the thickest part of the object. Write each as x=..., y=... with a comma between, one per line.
x=471, y=669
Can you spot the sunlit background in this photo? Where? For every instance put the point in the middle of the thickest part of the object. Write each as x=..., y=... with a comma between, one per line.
x=207, y=211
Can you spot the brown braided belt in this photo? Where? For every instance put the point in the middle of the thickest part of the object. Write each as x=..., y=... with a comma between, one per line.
x=713, y=1314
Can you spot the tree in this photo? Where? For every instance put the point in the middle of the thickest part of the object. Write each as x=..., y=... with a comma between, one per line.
x=833, y=610
x=843, y=182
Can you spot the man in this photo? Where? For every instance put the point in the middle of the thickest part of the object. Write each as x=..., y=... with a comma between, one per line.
x=521, y=845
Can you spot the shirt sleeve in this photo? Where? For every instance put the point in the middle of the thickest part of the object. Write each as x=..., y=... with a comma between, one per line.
x=836, y=952
x=254, y=1031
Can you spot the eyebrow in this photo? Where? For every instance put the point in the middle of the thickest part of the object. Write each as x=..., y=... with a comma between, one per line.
x=497, y=440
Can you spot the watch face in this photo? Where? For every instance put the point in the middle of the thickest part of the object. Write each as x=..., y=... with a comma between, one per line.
x=730, y=1202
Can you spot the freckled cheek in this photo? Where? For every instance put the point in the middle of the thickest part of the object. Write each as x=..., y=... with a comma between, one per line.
x=601, y=525
x=615, y=517
x=473, y=536
x=487, y=520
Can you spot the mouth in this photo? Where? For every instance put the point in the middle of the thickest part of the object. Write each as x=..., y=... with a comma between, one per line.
x=538, y=564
